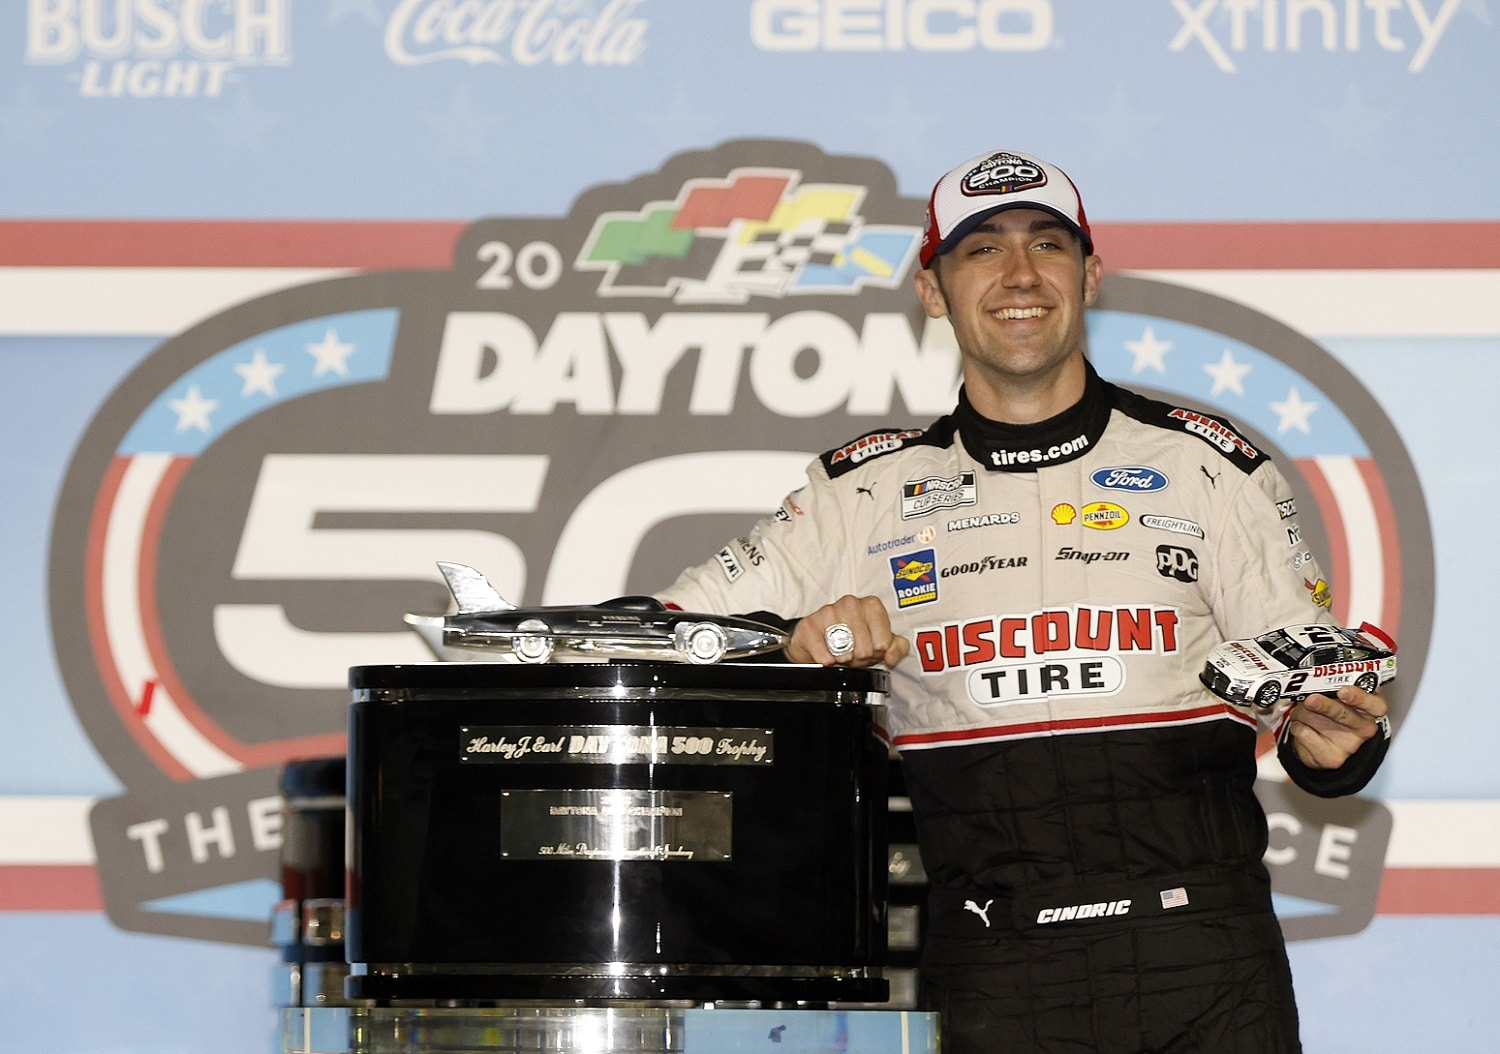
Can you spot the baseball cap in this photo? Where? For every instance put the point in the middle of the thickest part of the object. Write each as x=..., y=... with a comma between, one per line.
x=990, y=183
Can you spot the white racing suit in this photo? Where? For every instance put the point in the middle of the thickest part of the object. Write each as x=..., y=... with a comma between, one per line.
x=1084, y=806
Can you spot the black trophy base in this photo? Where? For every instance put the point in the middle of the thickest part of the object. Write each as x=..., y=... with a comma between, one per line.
x=466, y=986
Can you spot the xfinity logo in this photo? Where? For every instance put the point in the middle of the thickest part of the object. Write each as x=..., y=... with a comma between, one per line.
x=899, y=25
x=1292, y=25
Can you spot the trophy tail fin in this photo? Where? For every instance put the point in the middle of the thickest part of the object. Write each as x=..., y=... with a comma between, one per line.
x=471, y=590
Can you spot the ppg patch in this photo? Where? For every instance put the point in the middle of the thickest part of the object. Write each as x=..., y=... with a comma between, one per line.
x=914, y=577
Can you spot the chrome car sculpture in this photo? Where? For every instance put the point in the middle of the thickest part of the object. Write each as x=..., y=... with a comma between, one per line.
x=487, y=627
x=1297, y=661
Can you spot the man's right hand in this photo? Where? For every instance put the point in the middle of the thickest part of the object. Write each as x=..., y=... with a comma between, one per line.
x=874, y=642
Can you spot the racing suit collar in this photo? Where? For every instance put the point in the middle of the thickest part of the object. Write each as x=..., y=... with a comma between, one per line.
x=1002, y=447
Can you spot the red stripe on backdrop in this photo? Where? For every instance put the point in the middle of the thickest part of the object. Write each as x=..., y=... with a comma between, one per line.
x=1390, y=543
x=1333, y=523
x=386, y=244
x=1403, y=890
x=120, y=694
x=366, y=244
x=50, y=887
x=150, y=624
x=1409, y=244
x=1439, y=891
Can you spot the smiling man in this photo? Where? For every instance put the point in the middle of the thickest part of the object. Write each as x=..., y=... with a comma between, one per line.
x=1014, y=284
x=1045, y=571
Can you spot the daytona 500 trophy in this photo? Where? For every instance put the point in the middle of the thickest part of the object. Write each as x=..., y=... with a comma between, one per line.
x=632, y=856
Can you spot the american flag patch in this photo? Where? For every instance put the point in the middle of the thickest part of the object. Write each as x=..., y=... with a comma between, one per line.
x=1174, y=898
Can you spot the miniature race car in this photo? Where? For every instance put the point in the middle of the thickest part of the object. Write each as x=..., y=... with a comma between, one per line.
x=1298, y=661
x=488, y=627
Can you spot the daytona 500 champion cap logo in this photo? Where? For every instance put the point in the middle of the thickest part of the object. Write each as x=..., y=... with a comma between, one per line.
x=579, y=406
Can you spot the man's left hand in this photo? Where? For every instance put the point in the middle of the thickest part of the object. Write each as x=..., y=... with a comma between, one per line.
x=1326, y=729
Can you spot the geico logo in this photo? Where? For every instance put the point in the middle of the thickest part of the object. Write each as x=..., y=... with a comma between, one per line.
x=619, y=362
x=898, y=25
x=233, y=30
x=1083, y=911
x=1046, y=632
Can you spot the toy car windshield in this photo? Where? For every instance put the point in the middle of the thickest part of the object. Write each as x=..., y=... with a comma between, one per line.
x=487, y=627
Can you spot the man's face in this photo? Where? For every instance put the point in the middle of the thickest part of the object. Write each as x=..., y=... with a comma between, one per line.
x=1015, y=290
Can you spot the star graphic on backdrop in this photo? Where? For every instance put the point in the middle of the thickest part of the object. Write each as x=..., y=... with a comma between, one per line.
x=899, y=129
x=682, y=121
x=1353, y=127
x=1479, y=9
x=1149, y=351
x=1227, y=374
x=331, y=354
x=25, y=123
x=462, y=130
x=1294, y=413
x=259, y=374
x=244, y=126
x=193, y=409
x=369, y=10
x=1120, y=129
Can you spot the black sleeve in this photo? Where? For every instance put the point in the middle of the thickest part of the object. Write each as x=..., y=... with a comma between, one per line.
x=1348, y=778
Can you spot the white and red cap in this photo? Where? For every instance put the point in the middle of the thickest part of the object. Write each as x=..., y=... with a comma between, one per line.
x=990, y=183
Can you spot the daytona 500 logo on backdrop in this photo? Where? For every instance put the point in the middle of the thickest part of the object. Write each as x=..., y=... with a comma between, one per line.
x=579, y=407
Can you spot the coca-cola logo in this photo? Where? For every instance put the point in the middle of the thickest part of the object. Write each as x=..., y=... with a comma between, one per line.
x=523, y=32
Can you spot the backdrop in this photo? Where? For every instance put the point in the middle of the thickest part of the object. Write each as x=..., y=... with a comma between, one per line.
x=300, y=296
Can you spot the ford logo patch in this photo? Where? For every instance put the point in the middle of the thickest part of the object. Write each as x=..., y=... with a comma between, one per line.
x=1135, y=478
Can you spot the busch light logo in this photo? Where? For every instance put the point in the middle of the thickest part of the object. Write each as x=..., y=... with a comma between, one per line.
x=156, y=49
